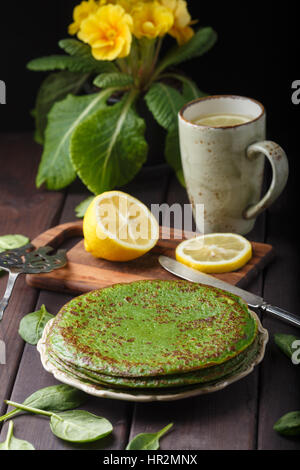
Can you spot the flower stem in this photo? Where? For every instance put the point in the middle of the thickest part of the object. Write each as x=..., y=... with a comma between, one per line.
x=158, y=48
x=28, y=408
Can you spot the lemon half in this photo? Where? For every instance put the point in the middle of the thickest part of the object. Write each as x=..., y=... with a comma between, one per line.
x=215, y=252
x=119, y=227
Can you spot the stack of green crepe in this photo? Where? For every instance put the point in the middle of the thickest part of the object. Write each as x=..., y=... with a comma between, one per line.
x=153, y=335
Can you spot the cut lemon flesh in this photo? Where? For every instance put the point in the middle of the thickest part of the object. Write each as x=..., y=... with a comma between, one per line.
x=215, y=252
x=119, y=227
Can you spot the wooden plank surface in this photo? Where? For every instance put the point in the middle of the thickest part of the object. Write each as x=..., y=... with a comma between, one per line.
x=280, y=380
x=25, y=210
x=84, y=273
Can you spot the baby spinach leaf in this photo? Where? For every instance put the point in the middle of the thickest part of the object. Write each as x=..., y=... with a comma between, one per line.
x=32, y=325
x=289, y=424
x=12, y=443
x=79, y=426
x=72, y=426
x=285, y=342
x=147, y=441
x=80, y=210
x=10, y=242
x=54, y=398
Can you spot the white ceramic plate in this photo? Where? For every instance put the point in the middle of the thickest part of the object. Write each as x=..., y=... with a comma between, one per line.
x=137, y=396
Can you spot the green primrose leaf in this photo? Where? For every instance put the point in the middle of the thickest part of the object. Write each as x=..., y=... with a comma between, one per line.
x=109, y=148
x=53, y=89
x=106, y=80
x=56, y=169
x=77, y=48
x=164, y=102
x=201, y=42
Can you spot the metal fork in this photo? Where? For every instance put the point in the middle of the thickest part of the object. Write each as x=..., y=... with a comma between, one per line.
x=28, y=260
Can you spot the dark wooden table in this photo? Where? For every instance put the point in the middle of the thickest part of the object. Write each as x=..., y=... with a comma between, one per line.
x=239, y=417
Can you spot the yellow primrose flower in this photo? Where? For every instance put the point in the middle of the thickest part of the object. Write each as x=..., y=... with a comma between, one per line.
x=80, y=13
x=180, y=30
x=126, y=4
x=108, y=32
x=151, y=20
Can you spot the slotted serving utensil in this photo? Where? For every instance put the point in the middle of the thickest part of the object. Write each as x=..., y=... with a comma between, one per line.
x=28, y=260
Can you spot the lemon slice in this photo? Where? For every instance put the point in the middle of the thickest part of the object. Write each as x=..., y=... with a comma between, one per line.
x=215, y=252
x=119, y=227
x=222, y=120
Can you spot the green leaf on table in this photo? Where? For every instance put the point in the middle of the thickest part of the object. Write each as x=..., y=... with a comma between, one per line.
x=56, y=169
x=12, y=443
x=54, y=88
x=164, y=102
x=201, y=42
x=10, y=242
x=109, y=148
x=289, y=424
x=106, y=80
x=81, y=209
x=172, y=152
x=285, y=343
x=54, y=398
x=79, y=426
x=32, y=325
x=147, y=441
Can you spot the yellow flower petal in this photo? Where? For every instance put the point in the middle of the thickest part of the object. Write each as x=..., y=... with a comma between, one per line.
x=80, y=13
x=182, y=35
x=181, y=29
x=108, y=32
x=151, y=20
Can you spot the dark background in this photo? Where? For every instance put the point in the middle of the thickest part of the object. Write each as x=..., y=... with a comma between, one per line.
x=256, y=55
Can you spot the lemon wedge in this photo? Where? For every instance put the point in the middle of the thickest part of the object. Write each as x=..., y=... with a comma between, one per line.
x=119, y=227
x=215, y=252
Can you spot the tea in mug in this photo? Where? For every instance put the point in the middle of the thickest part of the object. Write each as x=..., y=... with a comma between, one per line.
x=221, y=120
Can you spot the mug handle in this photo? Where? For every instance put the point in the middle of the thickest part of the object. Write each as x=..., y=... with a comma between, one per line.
x=280, y=169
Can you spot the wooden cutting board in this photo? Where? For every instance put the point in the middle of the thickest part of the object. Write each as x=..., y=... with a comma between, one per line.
x=84, y=272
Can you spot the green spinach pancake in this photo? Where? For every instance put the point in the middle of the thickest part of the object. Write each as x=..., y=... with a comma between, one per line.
x=153, y=332
x=201, y=376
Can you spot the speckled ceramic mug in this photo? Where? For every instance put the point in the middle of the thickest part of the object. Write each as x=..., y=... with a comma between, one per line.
x=223, y=166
